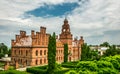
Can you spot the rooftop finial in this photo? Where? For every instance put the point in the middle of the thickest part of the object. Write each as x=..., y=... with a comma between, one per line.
x=65, y=21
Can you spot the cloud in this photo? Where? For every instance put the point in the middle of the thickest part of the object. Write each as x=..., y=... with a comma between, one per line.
x=92, y=18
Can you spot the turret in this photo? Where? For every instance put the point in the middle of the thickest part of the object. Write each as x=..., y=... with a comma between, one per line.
x=81, y=41
x=43, y=30
x=32, y=33
x=22, y=33
x=12, y=42
x=66, y=36
x=17, y=37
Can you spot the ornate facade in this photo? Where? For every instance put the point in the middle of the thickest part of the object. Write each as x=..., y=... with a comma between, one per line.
x=31, y=50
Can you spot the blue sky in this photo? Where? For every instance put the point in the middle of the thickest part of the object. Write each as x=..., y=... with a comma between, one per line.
x=53, y=10
x=96, y=20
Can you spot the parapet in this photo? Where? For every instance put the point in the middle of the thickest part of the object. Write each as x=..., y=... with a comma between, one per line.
x=42, y=29
x=22, y=33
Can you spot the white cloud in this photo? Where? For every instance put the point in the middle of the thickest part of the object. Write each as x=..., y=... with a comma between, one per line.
x=91, y=18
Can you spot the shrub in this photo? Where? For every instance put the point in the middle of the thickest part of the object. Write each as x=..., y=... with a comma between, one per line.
x=107, y=71
x=58, y=66
x=71, y=72
x=36, y=70
x=11, y=68
x=43, y=70
x=87, y=65
x=69, y=64
x=12, y=72
x=115, y=64
x=104, y=64
x=86, y=72
x=113, y=60
x=62, y=71
x=117, y=57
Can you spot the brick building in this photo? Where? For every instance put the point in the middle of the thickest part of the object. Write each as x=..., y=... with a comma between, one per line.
x=31, y=50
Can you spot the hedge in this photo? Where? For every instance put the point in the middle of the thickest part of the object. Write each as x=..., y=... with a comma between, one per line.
x=13, y=72
x=87, y=65
x=38, y=70
x=104, y=64
x=107, y=71
x=115, y=60
x=69, y=64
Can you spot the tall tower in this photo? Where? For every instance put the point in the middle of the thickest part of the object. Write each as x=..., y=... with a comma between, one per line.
x=66, y=36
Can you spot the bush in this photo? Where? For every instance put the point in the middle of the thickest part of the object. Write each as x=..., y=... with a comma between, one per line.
x=71, y=72
x=86, y=72
x=69, y=64
x=1, y=55
x=113, y=60
x=11, y=68
x=43, y=70
x=117, y=57
x=62, y=71
x=12, y=72
x=107, y=71
x=58, y=66
x=36, y=70
x=87, y=65
x=104, y=64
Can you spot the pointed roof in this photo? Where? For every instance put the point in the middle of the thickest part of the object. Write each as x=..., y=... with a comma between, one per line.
x=65, y=20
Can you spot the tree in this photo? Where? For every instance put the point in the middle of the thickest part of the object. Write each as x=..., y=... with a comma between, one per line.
x=51, y=54
x=3, y=49
x=94, y=55
x=65, y=52
x=88, y=54
x=85, y=52
x=9, y=52
x=105, y=44
x=111, y=51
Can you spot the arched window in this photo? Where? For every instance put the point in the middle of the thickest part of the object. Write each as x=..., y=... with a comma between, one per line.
x=36, y=52
x=19, y=52
x=26, y=62
x=40, y=61
x=26, y=52
x=40, y=52
x=36, y=62
x=15, y=51
x=44, y=52
x=44, y=60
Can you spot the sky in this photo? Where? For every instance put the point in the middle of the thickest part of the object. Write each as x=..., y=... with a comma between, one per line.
x=97, y=21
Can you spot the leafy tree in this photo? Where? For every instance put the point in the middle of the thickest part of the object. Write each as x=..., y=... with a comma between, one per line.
x=65, y=52
x=9, y=52
x=88, y=54
x=51, y=54
x=111, y=51
x=85, y=52
x=94, y=55
x=3, y=49
x=105, y=44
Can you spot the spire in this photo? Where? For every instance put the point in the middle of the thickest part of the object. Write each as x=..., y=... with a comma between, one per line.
x=65, y=21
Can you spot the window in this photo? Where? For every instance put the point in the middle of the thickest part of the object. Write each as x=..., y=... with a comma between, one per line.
x=44, y=52
x=26, y=52
x=15, y=51
x=40, y=61
x=40, y=52
x=36, y=52
x=44, y=60
x=19, y=52
x=36, y=62
x=26, y=62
